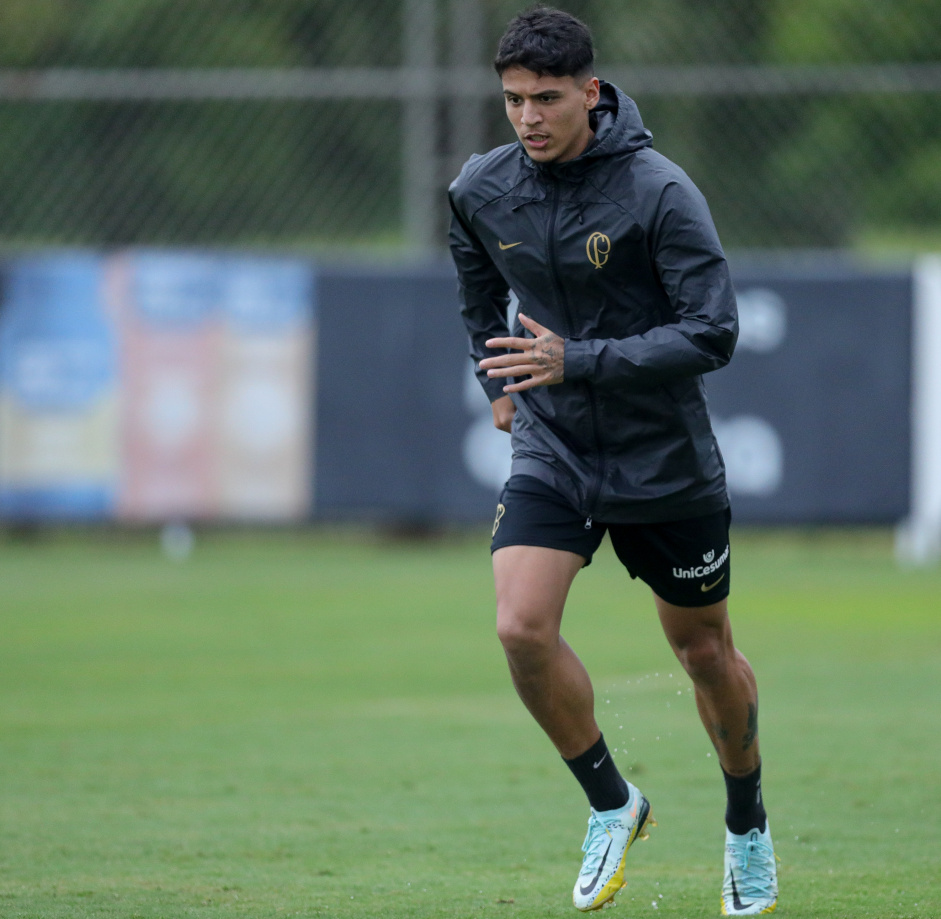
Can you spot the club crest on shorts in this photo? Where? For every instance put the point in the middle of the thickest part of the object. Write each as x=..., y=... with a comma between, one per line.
x=501, y=510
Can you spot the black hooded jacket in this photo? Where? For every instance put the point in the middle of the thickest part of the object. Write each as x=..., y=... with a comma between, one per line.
x=616, y=252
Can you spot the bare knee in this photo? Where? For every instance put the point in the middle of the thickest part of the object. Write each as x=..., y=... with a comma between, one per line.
x=527, y=640
x=705, y=656
x=701, y=638
x=532, y=583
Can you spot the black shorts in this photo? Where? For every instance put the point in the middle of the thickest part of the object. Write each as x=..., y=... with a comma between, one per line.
x=686, y=562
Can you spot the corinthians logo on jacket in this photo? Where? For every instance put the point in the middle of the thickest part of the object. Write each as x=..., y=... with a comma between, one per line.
x=598, y=248
x=703, y=571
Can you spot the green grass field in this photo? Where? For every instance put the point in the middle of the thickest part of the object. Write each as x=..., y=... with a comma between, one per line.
x=319, y=725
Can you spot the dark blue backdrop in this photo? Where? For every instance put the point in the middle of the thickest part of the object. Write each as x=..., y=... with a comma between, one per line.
x=812, y=414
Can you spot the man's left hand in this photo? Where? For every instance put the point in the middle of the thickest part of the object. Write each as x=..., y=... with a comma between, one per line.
x=541, y=358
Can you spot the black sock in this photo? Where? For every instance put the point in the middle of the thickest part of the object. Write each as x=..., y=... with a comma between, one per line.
x=745, y=810
x=599, y=777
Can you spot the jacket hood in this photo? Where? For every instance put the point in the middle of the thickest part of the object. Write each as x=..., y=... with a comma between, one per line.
x=618, y=125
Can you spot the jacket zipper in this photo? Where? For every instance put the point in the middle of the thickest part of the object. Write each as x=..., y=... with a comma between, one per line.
x=551, y=237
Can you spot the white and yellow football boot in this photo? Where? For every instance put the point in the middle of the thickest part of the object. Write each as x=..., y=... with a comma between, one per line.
x=610, y=835
x=750, y=887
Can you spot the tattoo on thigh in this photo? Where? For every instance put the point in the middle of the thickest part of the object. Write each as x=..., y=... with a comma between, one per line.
x=751, y=732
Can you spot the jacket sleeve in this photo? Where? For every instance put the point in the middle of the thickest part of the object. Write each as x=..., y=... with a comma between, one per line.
x=483, y=292
x=689, y=261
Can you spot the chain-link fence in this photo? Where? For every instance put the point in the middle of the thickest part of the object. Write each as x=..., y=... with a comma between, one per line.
x=314, y=124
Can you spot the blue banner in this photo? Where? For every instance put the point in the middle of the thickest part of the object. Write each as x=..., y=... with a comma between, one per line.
x=58, y=390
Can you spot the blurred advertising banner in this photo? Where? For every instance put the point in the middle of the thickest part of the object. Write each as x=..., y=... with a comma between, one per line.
x=167, y=317
x=265, y=397
x=59, y=392
x=217, y=354
x=157, y=385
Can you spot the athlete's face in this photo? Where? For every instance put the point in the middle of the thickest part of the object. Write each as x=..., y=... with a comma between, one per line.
x=550, y=114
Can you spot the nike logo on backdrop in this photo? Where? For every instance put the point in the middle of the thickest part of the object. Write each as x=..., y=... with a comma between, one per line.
x=705, y=587
x=510, y=245
x=588, y=888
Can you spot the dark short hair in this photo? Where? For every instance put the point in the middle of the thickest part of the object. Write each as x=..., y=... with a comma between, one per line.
x=548, y=42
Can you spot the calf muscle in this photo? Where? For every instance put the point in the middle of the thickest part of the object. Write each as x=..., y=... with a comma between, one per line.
x=723, y=681
x=532, y=584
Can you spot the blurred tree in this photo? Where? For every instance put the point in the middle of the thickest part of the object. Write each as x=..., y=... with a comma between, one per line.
x=889, y=142
x=795, y=170
x=201, y=171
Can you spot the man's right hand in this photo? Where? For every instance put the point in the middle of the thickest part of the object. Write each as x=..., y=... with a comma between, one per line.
x=503, y=412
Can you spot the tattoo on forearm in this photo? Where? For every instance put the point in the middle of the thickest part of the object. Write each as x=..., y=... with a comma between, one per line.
x=751, y=732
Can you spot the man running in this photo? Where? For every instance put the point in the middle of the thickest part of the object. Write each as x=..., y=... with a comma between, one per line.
x=624, y=302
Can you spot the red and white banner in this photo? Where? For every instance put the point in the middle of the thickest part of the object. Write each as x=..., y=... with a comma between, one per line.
x=216, y=369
